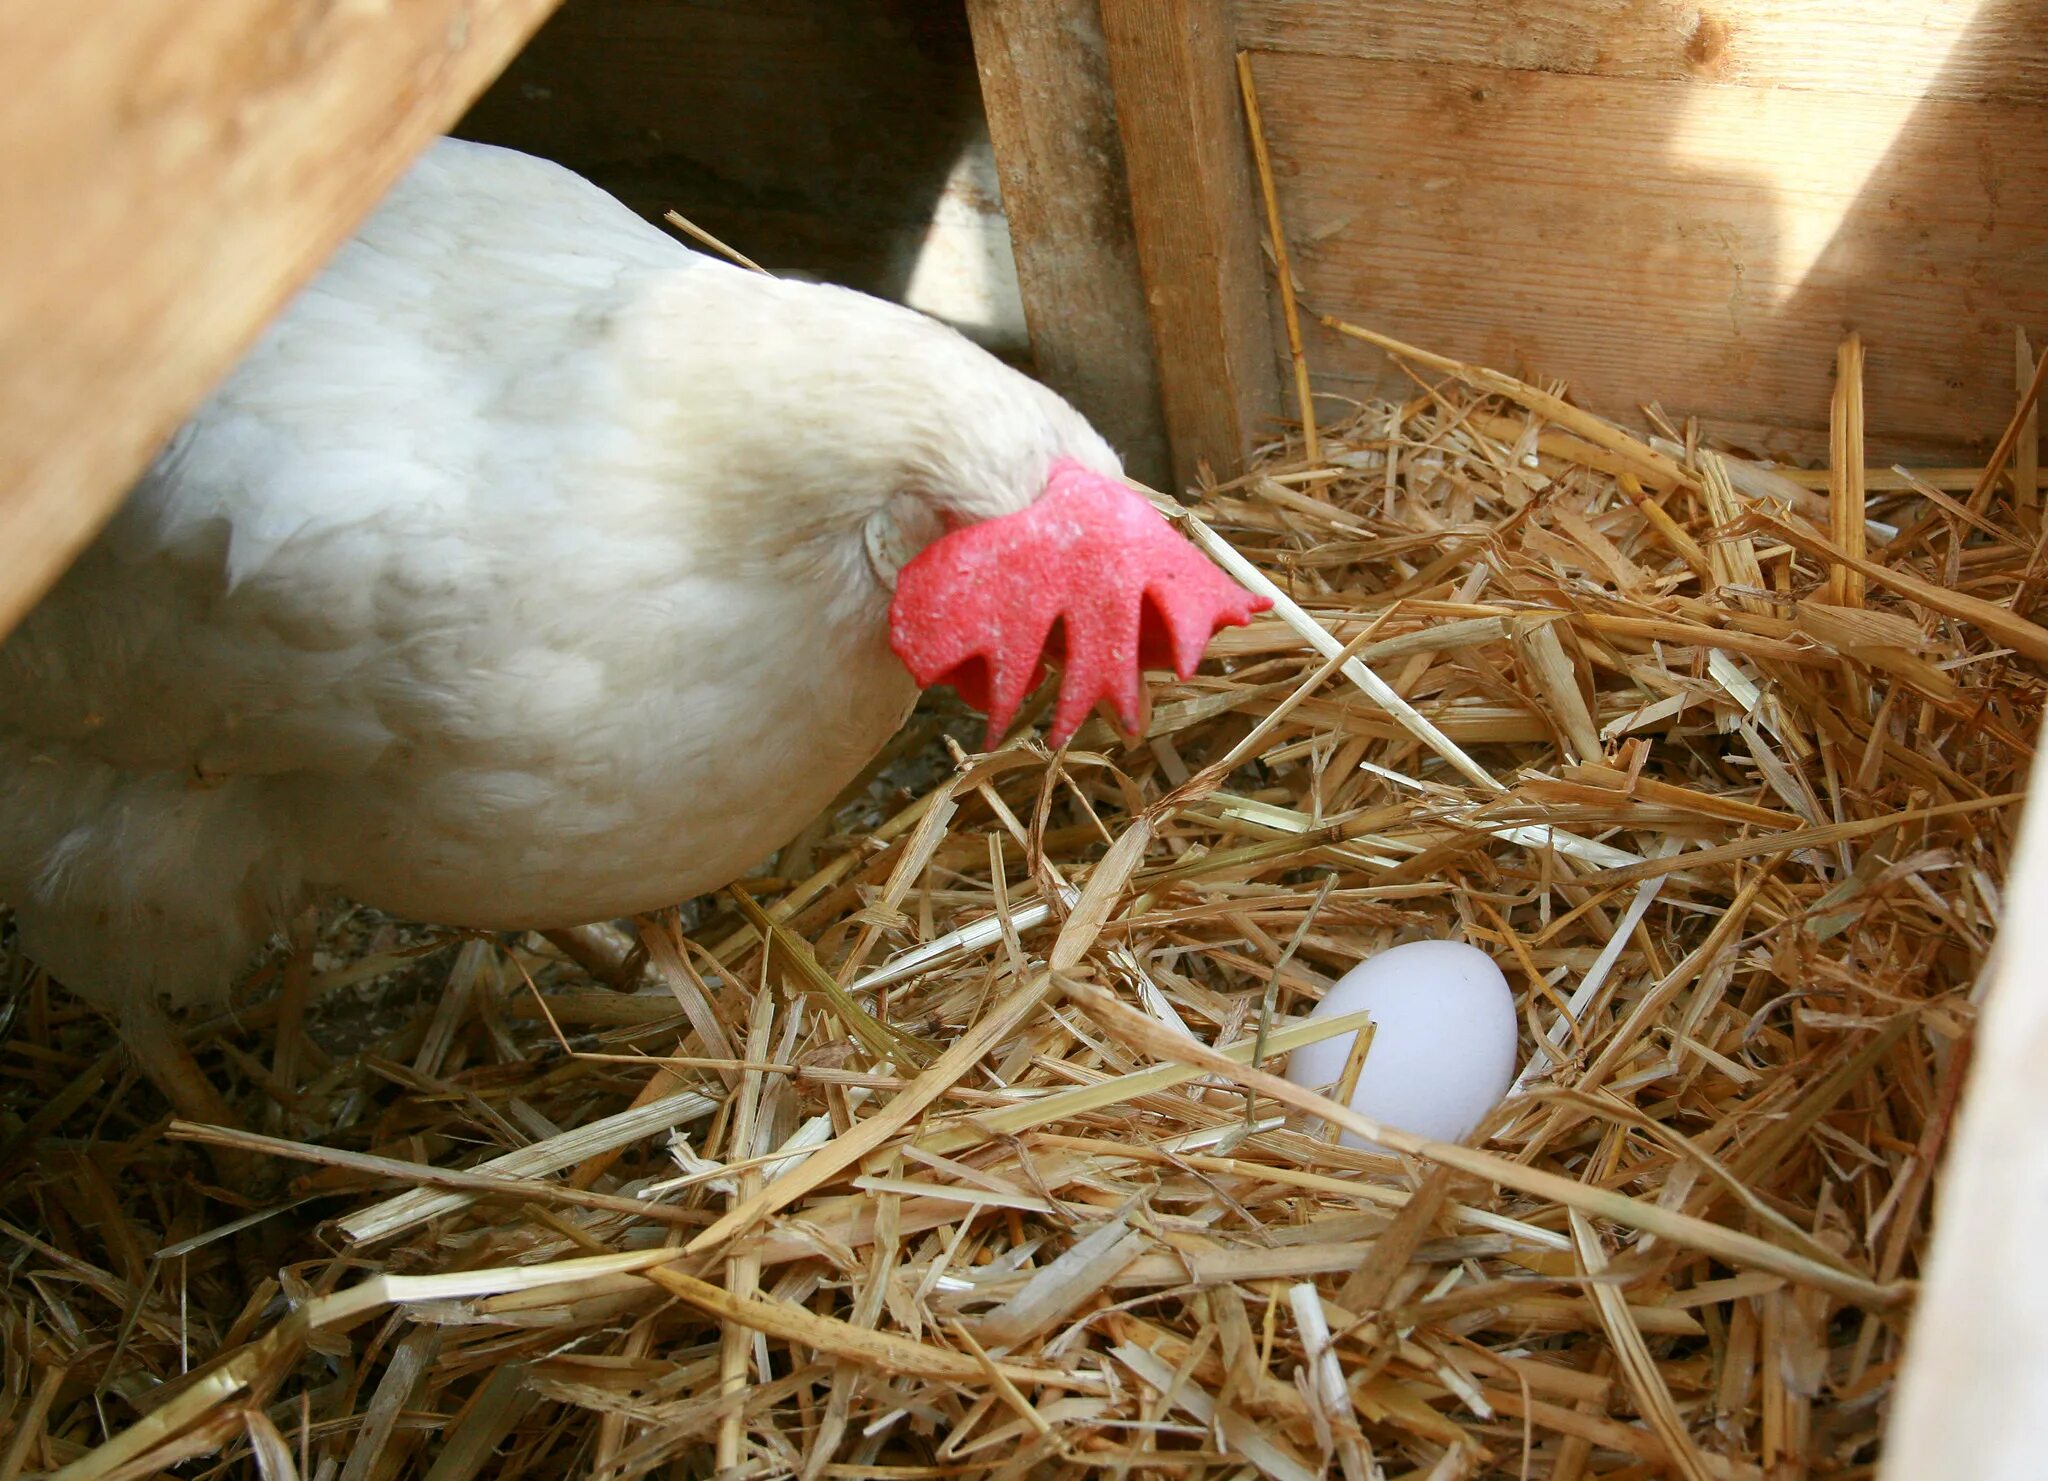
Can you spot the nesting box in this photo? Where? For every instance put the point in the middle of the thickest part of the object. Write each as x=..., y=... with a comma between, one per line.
x=1807, y=232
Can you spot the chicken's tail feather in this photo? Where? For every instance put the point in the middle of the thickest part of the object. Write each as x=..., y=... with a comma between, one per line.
x=126, y=883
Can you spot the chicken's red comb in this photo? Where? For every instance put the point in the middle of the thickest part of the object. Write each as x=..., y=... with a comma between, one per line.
x=976, y=608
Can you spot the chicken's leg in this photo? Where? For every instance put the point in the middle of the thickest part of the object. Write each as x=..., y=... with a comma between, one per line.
x=605, y=953
x=160, y=1053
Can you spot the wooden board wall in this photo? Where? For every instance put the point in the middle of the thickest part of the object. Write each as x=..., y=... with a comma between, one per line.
x=1680, y=202
x=1894, y=48
x=173, y=171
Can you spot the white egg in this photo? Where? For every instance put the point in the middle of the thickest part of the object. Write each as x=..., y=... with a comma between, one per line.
x=1443, y=1047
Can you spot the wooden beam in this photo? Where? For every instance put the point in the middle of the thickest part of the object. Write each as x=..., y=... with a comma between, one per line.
x=1195, y=210
x=174, y=171
x=1045, y=83
x=1585, y=252
x=1973, y=1395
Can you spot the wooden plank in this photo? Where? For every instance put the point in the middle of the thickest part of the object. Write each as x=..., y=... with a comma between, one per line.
x=1973, y=1396
x=174, y=171
x=1701, y=246
x=1892, y=48
x=2026, y=466
x=1193, y=205
x=1045, y=82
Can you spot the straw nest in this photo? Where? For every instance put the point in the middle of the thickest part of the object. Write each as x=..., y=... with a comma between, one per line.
x=970, y=1173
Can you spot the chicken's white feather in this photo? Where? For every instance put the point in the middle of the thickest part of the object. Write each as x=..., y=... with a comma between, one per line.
x=524, y=574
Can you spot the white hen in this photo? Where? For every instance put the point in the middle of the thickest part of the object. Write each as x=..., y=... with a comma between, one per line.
x=532, y=570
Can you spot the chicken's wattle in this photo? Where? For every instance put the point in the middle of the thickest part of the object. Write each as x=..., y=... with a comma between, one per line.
x=1091, y=575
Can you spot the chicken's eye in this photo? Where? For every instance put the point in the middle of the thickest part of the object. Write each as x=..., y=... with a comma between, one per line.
x=895, y=533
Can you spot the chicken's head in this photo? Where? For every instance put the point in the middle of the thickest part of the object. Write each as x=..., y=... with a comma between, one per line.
x=871, y=458
x=1089, y=575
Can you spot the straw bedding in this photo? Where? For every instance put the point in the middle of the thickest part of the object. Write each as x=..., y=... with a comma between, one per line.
x=969, y=1174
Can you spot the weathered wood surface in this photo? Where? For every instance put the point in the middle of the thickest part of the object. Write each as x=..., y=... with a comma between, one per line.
x=1194, y=207
x=1959, y=49
x=173, y=172
x=1045, y=81
x=1703, y=245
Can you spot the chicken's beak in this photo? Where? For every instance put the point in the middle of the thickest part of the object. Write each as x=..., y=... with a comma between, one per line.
x=978, y=608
